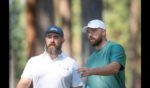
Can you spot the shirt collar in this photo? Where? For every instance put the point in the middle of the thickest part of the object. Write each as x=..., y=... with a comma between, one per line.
x=102, y=47
x=59, y=57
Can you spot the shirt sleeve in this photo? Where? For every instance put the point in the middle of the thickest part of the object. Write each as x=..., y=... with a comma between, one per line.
x=118, y=55
x=76, y=78
x=28, y=70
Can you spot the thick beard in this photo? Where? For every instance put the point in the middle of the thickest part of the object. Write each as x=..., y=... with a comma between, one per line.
x=54, y=50
x=97, y=42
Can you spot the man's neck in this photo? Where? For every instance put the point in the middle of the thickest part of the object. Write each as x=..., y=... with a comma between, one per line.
x=100, y=46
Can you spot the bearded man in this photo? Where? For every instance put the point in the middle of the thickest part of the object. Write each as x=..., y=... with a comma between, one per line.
x=105, y=67
x=53, y=68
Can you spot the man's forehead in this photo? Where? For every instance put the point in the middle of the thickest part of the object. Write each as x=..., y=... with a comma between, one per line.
x=92, y=28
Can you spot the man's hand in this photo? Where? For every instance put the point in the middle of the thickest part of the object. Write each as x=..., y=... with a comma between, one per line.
x=85, y=71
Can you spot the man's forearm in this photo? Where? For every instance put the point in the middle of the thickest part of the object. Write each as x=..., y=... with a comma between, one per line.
x=109, y=69
x=22, y=86
x=24, y=83
x=106, y=70
x=77, y=87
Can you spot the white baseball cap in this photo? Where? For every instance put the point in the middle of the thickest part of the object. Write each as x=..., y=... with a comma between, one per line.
x=95, y=24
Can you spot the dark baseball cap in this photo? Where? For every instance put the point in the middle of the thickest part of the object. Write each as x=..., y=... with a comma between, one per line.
x=55, y=29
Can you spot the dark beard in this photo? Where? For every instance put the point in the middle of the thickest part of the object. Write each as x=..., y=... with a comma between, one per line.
x=98, y=42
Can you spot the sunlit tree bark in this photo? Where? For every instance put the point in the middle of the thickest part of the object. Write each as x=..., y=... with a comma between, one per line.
x=30, y=27
x=63, y=18
x=40, y=14
x=134, y=41
x=12, y=70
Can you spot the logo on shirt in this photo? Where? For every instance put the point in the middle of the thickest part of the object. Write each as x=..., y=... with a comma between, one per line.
x=64, y=67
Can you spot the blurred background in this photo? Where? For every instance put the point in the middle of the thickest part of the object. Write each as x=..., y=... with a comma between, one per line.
x=28, y=20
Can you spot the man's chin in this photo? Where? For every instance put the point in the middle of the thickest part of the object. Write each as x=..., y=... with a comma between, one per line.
x=51, y=47
x=92, y=42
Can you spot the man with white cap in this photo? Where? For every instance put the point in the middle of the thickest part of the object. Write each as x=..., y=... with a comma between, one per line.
x=105, y=67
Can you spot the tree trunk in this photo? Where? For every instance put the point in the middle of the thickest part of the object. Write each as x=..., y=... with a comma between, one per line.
x=44, y=18
x=30, y=27
x=11, y=70
x=63, y=16
x=133, y=47
x=90, y=10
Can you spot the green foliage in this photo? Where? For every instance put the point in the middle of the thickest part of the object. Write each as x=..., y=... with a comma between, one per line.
x=17, y=35
x=116, y=15
x=76, y=29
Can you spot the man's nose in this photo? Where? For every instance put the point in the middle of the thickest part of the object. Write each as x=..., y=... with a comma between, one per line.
x=90, y=34
x=52, y=39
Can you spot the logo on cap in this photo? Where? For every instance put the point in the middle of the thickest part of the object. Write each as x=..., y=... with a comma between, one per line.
x=53, y=29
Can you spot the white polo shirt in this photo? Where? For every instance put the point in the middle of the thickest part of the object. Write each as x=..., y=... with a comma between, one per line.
x=48, y=73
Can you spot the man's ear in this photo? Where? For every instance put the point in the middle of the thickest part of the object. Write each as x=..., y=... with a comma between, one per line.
x=104, y=32
x=63, y=40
